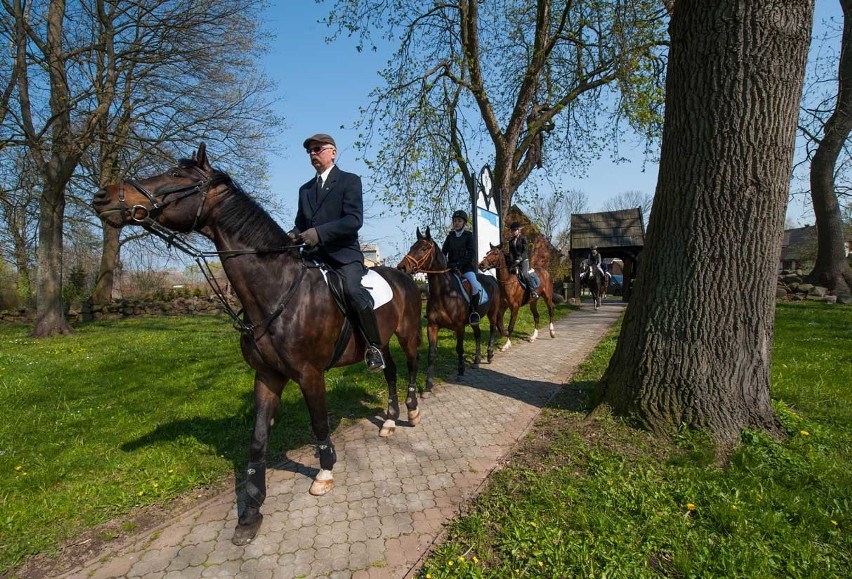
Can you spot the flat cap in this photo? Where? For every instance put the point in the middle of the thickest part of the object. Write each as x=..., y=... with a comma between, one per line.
x=319, y=138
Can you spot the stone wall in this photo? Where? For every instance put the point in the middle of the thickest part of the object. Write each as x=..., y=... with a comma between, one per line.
x=791, y=287
x=85, y=312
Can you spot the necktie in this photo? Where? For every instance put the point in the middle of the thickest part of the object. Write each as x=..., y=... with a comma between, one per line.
x=319, y=187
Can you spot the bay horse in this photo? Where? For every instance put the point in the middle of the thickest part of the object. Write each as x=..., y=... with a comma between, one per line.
x=446, y=306
x=292, y=328
x=593, y=280
x=515, y=295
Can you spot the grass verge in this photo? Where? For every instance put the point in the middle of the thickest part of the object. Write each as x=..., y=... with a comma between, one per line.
x=595, y=498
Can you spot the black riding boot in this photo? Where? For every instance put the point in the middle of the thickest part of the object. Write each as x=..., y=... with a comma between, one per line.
x=373, y=356
x=473, y=317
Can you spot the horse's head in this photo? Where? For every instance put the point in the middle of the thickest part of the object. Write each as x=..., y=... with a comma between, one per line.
x=493, y=259
x=424, y=255
x=177, y=199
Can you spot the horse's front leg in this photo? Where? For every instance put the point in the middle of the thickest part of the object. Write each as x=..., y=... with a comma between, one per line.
x=492, y=338
x=312, y=383
x=460, y=350
x=534, y=310
x=432, y=335
x=267, y=396
x=513, y=315
x=392, y=414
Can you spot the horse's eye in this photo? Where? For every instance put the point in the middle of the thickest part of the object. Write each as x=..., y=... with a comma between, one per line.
x=175, y=172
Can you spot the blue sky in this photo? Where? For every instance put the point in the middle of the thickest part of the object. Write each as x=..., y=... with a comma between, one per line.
x=321, y=87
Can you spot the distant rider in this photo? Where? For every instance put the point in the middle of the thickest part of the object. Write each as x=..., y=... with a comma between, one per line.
x=520, y=255
x=460, y=252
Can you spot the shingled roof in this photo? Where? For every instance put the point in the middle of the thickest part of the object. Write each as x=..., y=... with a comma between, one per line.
x=607, y=229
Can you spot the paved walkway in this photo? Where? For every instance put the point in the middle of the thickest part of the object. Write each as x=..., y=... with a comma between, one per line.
x=392, y=497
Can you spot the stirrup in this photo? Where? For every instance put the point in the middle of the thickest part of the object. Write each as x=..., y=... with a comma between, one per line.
x=373, y=359
x=473, y=318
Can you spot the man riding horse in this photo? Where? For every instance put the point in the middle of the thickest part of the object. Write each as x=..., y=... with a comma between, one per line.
x=460, y=252
x=329, y=216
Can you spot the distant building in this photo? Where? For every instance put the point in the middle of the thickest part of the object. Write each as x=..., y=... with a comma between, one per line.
x=798, y=248
x=372, y=256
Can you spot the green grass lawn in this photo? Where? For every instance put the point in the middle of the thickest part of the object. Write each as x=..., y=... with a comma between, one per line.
x=595, y=498
x=140, y=411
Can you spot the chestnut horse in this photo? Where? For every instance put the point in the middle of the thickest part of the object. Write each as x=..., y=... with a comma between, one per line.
x=515, y=295
x=446, y=307
x=292, y=328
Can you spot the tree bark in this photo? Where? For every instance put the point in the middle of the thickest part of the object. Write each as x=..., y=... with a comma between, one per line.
x=831, y=268
x=696, y=342
x=102, y=294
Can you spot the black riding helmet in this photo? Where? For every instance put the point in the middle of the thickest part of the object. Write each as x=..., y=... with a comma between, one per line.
x=460, y=214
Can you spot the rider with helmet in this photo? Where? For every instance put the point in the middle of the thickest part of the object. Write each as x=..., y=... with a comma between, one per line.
x=596, y=260
x=520, y=255
x=461, y=254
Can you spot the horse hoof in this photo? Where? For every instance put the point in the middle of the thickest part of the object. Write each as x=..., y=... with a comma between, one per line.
x=414, y=417
x=243, y=534
x=388, y=429
x=321, y=487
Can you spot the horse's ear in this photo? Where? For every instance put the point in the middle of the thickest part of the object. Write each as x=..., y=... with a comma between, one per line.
x=493, y=246
x=428, y=233
x=419, y=235
x=201, y=157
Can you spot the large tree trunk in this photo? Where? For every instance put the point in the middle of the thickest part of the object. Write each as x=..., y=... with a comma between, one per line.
x=102, y=294
x=831, y=268
x=50, y=318
x=696, y=342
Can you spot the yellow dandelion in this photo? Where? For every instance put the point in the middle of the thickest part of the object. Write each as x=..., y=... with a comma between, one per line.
x=833, y=522
x=734, y=507
x=19, y=467
x=533, y=524
x=449, y=563
x=540, y=564
x=461, y=558
x=140, y=493
x=428, y=576
x=690, y=507
x=804, y=433
x=475, y=560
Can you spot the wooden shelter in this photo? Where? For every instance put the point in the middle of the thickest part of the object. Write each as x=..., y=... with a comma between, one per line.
x=617, y=234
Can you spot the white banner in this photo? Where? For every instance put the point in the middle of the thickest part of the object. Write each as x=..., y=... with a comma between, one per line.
x=487, y=217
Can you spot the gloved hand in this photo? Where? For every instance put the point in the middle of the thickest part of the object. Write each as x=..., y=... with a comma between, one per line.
x=293, y=237
x=310, y=237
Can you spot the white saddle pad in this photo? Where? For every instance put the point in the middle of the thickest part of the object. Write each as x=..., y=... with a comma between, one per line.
x=378, y=287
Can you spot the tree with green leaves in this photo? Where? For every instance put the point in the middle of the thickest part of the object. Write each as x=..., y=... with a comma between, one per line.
x=516, y=84
x=695, y=346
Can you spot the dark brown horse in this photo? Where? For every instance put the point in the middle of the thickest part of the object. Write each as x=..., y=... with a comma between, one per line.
x=592, y=279
x=446, y=306
x=515, y=295
x=292, y=328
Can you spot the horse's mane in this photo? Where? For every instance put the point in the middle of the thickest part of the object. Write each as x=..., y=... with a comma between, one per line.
x=243, y=217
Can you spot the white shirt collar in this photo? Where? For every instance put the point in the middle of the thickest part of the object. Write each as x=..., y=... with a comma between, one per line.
x=323, y=177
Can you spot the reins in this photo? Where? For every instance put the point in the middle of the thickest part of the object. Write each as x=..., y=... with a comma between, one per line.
x=172, y=240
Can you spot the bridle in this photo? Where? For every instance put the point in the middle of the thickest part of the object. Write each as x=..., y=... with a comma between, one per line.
x=144, y=216
x=427, y=257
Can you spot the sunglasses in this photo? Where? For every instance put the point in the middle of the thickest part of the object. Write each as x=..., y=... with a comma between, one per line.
x=316, y=149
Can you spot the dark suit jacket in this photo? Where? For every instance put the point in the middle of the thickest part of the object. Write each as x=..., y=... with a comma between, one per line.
x=336, y=212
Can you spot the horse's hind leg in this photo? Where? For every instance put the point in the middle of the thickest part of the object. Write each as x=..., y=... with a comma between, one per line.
x=513, y=315
x=432, y=335
x=392, y=414
x=267, y=396
x=549, y=302
x=460, y=350
x=411, y=361
x=477, y=336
